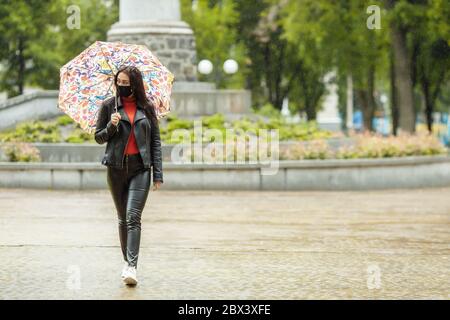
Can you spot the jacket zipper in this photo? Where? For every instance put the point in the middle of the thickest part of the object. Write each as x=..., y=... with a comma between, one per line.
x=132, y=130
x=128, y=140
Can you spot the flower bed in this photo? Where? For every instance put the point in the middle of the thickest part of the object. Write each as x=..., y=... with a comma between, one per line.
x=369, y=146
x=21, y=152
x=308, y=142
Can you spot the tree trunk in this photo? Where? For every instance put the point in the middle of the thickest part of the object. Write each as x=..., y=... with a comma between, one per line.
x=403, y=81
x=370, y=112
x=279, y=97
x=394, y=107
x=21, y=58
x=365, y=106
x=311, y=113
x=428, y=104
x=367, y=99
x=310, y=105
x=268, y=77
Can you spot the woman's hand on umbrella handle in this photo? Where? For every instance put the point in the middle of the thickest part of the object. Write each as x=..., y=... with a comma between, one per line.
x=115, y=118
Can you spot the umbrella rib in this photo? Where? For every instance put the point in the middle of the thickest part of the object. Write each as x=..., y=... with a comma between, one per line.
x=109, y=87
x=124, y=60
x=78, y=66
x=97, y=111
x=101, y=49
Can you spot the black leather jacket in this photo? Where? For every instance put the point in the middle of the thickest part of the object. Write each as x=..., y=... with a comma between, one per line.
x=147, y=137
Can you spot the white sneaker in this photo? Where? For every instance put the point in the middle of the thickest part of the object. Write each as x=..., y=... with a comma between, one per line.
x=124, y=270
x=130, y=276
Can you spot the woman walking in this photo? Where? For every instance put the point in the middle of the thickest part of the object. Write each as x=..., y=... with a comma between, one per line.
x=133, y=147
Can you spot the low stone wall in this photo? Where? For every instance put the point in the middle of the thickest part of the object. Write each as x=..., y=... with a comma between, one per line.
x=42, y=105
x=39, y=105
x=355, y=174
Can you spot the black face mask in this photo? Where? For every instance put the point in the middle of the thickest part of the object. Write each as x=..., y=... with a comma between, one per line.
x=124, y=91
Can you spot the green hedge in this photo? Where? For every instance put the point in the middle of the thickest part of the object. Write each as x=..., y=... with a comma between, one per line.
x=47, y=131
x=250, y=125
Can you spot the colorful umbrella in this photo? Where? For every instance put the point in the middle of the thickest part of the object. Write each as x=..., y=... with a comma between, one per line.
x=88, y=79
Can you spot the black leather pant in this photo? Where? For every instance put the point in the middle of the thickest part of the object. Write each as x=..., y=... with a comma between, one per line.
x=129, y=188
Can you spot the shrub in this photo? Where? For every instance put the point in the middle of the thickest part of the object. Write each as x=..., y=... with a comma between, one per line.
x=376, y=146
x=79, y=136
x=216, y=121
x=35, y=131
x=268, y=110
x=316, y=149
x=64, y=120
x=175, y=124
x=21, y=151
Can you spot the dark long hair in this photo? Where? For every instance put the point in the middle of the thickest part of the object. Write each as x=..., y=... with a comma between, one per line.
x=137, y=86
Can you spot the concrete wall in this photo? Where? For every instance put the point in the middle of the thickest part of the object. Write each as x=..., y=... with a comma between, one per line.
x=201, y=103
x=356, y=174
x=31, y=106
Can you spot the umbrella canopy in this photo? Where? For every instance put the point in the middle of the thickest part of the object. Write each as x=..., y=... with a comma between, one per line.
x=88, y=79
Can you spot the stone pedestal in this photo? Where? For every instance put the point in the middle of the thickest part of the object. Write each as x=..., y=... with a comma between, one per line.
x=157, y=24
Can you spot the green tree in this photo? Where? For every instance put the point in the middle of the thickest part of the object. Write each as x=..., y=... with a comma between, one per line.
x=401, y=17
x=420, y=55
x=249, y=17
x=28, y=39
x=35, y=40
x=277, y=58
x=96, y=18
x=214, y=26
x=431, y=53
x=333, y=35
x=276, y=70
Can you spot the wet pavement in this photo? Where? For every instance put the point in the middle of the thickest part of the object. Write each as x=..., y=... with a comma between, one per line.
x=229, y=245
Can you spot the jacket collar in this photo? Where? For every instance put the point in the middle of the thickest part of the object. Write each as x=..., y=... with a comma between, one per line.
x=120, y=104
x=140, y=111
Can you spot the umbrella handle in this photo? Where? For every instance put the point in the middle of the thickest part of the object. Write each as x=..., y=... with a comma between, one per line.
x=115, y=100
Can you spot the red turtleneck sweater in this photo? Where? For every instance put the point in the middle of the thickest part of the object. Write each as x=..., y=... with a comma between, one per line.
x=129, y=104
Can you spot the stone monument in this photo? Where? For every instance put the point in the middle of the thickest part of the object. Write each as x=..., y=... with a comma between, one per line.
x=328, y=118
x=158, y=25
